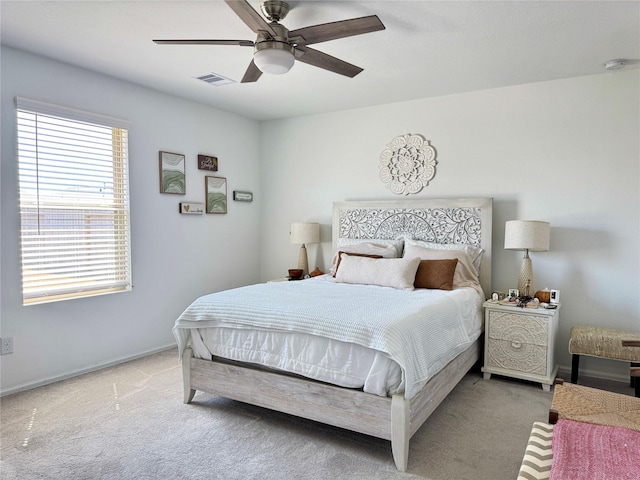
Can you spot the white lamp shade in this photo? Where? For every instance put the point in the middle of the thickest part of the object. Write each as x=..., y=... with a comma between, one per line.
x=527, y=235
x=273, y=61
x=304, y=233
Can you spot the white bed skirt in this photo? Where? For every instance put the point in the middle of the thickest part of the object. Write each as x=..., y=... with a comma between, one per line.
x=323, y=359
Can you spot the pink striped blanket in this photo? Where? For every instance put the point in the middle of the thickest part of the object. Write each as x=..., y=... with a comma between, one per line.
x=594, y=452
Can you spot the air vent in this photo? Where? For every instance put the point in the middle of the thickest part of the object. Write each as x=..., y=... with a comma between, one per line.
x=215, y=79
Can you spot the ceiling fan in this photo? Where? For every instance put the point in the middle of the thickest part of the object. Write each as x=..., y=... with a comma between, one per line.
x=276, y=48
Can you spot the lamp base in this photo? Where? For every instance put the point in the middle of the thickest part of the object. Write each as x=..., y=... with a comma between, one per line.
x=525, y=281
x=303, y=263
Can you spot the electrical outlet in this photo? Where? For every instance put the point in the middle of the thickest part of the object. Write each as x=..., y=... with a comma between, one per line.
x=6, y=345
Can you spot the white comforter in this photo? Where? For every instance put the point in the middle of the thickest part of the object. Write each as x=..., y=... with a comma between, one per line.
x=420, y=330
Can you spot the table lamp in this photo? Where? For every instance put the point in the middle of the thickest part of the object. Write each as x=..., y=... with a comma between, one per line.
x=526, y=235
x=304, y=233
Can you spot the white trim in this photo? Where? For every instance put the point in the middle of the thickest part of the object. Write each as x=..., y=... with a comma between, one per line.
x=82, y=371
x=36, y=106
x=564, y=371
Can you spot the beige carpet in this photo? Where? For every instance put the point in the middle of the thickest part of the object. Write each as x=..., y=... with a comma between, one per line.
x=129, y=422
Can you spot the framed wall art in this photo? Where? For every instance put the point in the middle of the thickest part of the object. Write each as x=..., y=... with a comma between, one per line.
x=172, y=173
x=216, y=194
x=191, y=208
x=239, y=196
x=208, y=162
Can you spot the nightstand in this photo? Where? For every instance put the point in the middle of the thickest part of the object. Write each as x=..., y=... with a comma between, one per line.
x=520, y=342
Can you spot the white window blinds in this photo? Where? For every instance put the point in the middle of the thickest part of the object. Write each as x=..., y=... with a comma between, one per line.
x=74, y=203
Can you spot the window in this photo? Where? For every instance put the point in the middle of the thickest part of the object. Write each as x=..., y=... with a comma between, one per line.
x=74, y=203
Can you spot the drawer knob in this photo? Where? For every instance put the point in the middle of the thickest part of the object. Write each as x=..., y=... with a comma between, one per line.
x=516, y=344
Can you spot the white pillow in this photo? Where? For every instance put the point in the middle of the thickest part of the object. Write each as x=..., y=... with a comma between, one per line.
x=388, y=250
x=465, y=275
x=387, y=272
x=398, y=243
x=475, y=253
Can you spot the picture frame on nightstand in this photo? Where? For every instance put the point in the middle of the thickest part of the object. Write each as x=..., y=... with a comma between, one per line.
x=498, y=296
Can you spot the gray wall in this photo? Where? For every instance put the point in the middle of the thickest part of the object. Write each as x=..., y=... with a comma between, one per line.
x=176, y=258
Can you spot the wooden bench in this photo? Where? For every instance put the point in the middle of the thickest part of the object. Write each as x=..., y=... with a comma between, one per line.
x=603, y=343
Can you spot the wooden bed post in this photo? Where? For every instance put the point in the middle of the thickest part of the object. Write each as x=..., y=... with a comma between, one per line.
x=400, y=422
x=186, y=375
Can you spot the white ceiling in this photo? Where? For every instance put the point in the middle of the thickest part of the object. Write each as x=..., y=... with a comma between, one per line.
x=428, y=49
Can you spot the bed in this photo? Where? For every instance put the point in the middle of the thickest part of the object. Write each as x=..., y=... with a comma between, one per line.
x=233, y=349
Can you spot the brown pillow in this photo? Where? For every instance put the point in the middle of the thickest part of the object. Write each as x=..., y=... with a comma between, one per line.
x=466, y=274
x=353, y=255
x=437, y=274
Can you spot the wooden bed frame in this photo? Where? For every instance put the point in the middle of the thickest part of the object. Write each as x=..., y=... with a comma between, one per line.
x=391, y=418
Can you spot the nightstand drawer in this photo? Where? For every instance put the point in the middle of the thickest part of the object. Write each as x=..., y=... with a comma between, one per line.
x=518, y=328
x=517, y=356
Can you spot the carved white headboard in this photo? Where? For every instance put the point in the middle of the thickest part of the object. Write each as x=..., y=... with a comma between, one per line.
x=452, y=220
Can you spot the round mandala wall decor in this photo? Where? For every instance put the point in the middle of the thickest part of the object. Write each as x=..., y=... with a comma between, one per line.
x=407, y=164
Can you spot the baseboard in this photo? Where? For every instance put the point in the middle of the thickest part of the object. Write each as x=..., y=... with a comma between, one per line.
x=82, y=371
x=564, y=372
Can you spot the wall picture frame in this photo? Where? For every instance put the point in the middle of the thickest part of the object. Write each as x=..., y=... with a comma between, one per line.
x=208, y=162
x=215, y=194
x=240, y=196
x=190, y=208
x=173, y=178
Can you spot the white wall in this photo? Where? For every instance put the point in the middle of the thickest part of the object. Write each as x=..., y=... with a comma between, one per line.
x=565, y=151
x=175, y=257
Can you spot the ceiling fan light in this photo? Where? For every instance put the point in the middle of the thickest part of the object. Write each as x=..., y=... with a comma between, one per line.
x=275, y=61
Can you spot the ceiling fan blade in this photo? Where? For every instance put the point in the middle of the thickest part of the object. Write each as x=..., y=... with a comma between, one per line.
x=252, y=74
x=249, y=16
x=241, y=43
x=333, y=30
x=322, y=60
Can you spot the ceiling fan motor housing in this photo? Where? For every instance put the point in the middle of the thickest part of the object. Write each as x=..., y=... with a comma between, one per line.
x=274, y=55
